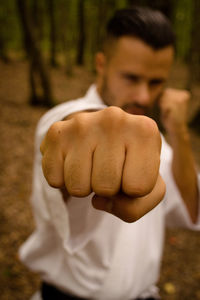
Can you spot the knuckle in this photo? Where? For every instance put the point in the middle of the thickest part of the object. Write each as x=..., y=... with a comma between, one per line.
x=113, y=110
x=139, y=190
x=148, y=130
x=53, y=181
x=106, y=180
x=105, y=191
x=78, y=192
x=77, y=183
x=148, y=125
x=81, y=124
x=112, y=118
x=152, y=129
x=54, y=131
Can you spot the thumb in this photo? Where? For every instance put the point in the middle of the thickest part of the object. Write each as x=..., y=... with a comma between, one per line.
x=102, y=203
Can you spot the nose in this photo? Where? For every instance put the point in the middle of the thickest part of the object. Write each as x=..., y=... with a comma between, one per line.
x=142, y=93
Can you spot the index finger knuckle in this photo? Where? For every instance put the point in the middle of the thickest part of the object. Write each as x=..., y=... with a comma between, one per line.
x=54, y=132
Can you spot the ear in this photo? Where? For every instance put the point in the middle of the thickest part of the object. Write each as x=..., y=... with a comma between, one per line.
x=100, y=62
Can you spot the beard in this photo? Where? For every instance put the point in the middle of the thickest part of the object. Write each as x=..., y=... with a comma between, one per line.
x=107, y=97
x=134, y=108
x=155, y=113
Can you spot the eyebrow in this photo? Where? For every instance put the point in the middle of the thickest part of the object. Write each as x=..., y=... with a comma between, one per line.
x=130, y=75
x=157, y=80
x=133, y=76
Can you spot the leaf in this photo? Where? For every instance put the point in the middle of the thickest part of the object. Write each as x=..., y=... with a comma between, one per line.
x=169, y=288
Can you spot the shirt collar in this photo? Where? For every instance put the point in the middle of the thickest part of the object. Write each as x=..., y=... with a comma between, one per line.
x=93, y=96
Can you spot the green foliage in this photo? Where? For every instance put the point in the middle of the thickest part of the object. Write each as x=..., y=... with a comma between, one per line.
x=96, y=14
x=183, y=22
x=10, y=32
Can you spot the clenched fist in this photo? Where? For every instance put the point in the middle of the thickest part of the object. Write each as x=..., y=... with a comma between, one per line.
x=174, y=108
x=111, y=153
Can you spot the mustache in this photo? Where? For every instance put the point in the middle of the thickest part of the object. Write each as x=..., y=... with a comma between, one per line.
x=135, y=105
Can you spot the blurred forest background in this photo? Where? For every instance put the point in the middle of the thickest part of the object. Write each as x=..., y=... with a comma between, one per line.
x=50, y=33
x=47, y=52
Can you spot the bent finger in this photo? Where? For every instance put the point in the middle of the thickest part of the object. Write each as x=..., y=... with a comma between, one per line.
x=77, y=171
x=52, y=165
x=131, y=209
x=140, y=170
x=108, y=161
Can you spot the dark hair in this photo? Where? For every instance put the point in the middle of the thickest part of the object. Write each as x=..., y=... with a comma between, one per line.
x=149, y=25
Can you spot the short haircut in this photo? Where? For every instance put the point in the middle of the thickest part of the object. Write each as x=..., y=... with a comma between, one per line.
x=146, y=24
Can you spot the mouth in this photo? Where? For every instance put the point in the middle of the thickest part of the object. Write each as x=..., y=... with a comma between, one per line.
x=134, y=110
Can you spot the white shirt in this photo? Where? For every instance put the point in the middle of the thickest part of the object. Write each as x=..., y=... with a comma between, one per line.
x=91, y=253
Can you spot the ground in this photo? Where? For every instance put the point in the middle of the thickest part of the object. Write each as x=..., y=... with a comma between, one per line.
x=180, y=271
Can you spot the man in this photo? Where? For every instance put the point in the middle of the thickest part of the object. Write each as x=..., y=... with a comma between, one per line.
x=111, y=155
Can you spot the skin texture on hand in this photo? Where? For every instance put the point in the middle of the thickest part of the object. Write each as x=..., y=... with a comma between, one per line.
x=111, y=153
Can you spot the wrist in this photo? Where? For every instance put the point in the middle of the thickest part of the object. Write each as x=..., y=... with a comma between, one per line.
x=180, y=133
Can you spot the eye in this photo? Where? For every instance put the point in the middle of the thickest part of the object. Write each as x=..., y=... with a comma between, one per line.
x=156, y=82
x=131, y=78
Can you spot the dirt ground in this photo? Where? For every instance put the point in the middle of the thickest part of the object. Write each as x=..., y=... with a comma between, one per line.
x=180, y=272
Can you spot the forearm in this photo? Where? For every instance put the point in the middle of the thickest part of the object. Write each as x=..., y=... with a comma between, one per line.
x=184, y=170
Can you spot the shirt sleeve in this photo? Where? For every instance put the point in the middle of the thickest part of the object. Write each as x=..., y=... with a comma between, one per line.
x=48, y=205
x=175, y=210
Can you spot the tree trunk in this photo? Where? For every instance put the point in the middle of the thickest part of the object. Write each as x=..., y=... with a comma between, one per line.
x=3, y=51
x=53, y=40
x=81, y=33
x=37, y=64
x=194, y=63
x=136, y=2
x=3, y=35
x=97, y=30
x=165, y=6
x=65, y=35
x=37, y=11
x=194, y=57
x=182, y=23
